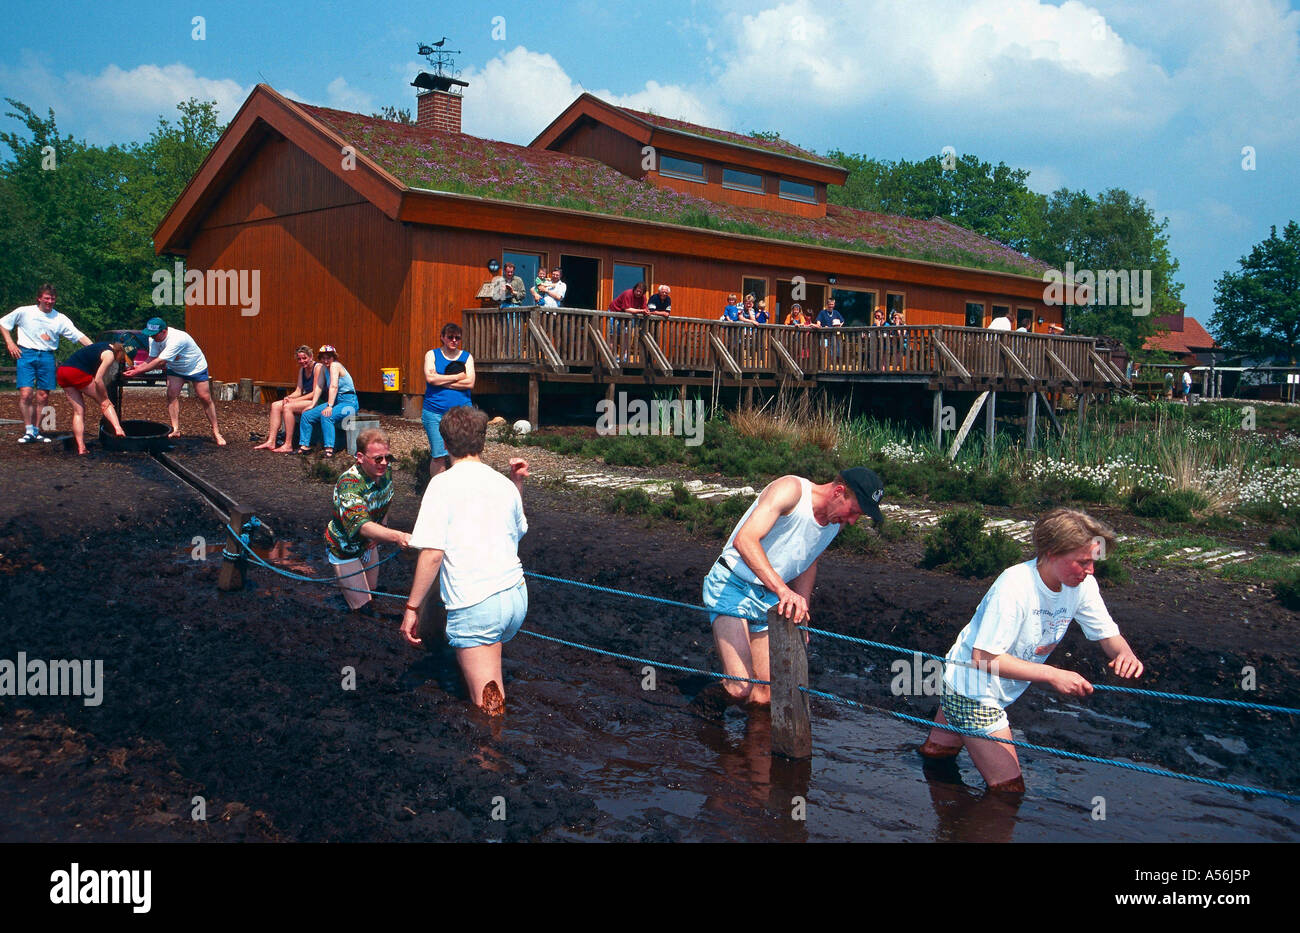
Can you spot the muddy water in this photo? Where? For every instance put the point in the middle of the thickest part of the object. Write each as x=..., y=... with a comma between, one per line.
x=715, y=781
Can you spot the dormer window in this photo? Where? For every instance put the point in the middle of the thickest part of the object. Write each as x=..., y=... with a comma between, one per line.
x=737, y=180
x=798, y=191
x=674, y=167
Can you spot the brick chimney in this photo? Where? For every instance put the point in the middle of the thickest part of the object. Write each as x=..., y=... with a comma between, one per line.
x=438, y=110
x=438, y=102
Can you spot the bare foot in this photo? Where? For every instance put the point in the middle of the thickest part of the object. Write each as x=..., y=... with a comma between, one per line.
x=283, y=449
x=494, y=704
x=265, y=445
x=83, y=451
x=221, y=441
x=119, y=432
x=176, y=432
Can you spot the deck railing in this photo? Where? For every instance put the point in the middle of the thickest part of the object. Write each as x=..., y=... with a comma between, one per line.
x=569, y=338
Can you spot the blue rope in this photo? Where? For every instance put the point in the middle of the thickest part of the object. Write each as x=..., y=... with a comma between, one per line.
x=1157, y=772
x=628, y=657
x=1237, y=704
x=257, y=559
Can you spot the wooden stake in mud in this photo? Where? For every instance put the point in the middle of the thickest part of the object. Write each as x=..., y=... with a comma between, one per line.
x=232, y=569
x=791, y=732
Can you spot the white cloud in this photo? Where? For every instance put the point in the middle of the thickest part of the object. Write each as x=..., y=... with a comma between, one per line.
x=342, y=96
x=988, y=57
x=517, y=94
x=117, y=103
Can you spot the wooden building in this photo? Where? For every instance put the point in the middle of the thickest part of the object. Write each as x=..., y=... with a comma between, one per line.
x=370, y=235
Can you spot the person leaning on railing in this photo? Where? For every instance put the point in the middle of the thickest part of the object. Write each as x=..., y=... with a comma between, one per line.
x=632, y=299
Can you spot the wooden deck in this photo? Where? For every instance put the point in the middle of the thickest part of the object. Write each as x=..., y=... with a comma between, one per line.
x=565, y=344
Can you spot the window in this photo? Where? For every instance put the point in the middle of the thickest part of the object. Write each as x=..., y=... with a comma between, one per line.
x=674, y=167
x=527, y=266
x=753, y=286
x=1025, y=318
x=974, y=314
x=626, y=275
x=1002, y=311
x=798, y=191
x=893, y=302
x=737, y=180
x=857, y=307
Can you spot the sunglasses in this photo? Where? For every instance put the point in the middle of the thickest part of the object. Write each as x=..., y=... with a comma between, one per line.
x=384, y=459
x=450, y=338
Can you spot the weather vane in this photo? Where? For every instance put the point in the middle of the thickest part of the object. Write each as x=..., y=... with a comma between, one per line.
x=439, y=58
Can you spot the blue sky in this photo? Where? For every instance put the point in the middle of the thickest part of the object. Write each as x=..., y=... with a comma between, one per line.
x=1159, y=97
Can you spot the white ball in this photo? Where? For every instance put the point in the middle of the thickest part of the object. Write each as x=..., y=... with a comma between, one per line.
x=522, y=427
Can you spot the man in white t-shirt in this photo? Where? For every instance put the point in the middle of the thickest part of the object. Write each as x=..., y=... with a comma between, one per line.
x=551, y=294
x=1187, y=386
x=184, y=362
x=1005, y=647
x=39, y=328
x=468, y=530
x=1001, y=322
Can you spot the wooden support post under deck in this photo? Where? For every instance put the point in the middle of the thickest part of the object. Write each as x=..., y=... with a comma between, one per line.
x=990, y=414
x=1051, y=415
x=966, y=424
x=938, y=418
x=791, y=730
x=534, y=398
x=231, y=576
x=1031, y=421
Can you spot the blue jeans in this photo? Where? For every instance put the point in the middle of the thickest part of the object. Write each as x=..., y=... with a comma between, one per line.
x=496, y=619
x=347, y=405
x=431, y=420
x=35, y=369
x=726, y=594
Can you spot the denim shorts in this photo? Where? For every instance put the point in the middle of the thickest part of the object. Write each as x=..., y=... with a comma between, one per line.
x=495, y=619
x=35, y=369
x=431, y=420
x=200, y=376
x=727, y=594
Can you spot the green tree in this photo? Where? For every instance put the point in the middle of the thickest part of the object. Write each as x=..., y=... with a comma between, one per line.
x=1258, y=308
x=992, y=200
x=1113, y=231
x=83, y=216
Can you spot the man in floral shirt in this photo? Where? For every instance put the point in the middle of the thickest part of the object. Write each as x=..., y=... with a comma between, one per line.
x=361, y=499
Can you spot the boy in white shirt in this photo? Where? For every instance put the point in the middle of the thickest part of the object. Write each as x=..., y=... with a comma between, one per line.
x=1005, y=647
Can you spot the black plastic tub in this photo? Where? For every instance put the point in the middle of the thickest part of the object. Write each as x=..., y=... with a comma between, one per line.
x=148, y=436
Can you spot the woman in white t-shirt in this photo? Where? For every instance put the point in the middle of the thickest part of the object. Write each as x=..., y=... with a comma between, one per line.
x=1005, y=647
x=468, y=530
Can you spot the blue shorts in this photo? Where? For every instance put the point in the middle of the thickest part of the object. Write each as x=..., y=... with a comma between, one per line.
x=495, y=619
x=35, y=369
x=200, y=376
x=730, y=595
x=431, y=420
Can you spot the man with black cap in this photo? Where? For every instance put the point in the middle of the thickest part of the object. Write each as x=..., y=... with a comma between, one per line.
x=770, y=561
x=176, y=353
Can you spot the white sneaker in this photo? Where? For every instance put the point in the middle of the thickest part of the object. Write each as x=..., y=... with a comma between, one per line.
x=42, y=438
x=28, y=439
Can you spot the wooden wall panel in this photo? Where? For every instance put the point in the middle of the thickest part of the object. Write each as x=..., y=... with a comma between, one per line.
x=338, y=276
x=604, y=144
x=279, y=180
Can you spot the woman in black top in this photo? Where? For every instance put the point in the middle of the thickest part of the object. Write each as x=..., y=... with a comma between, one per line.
x=88, y=372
